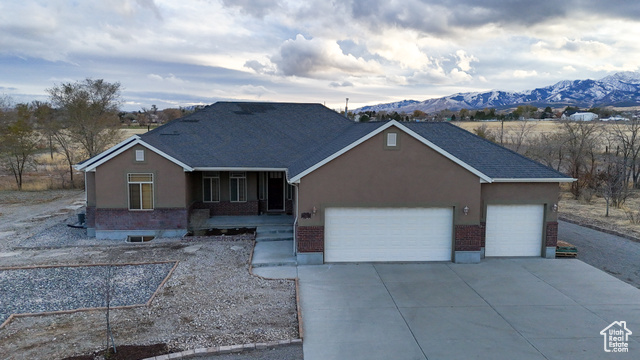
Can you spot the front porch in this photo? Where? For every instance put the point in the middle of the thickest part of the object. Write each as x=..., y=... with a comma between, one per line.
x=251, y=221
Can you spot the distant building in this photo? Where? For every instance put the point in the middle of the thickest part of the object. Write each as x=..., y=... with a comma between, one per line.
x=583, y=116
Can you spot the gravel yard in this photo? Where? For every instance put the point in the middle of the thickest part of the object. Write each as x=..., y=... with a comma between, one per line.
x=49, y=289
x=210, y=299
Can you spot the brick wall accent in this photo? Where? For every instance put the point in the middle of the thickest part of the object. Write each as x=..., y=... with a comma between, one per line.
x=90, y=217
x=483, y=225
x=230, y=208
x=552, y=234
x=468, y=237
x=310, y=238
x=123, y=219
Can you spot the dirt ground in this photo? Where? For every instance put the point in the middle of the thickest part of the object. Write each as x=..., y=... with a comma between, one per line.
x=593, y=213
x=211, y=299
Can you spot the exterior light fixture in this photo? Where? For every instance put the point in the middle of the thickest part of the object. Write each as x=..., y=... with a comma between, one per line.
x=314, y=211
x=554, y=208
x=465, y=210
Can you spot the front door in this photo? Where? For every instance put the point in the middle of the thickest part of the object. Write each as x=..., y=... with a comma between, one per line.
x=275, y=191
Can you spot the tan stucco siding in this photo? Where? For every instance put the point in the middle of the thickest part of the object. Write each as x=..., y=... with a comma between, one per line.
x=521, y=193
x=371, y=175
x=169, y=185
x=90, y=188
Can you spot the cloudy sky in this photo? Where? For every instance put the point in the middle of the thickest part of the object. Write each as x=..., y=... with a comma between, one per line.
x=181, y=52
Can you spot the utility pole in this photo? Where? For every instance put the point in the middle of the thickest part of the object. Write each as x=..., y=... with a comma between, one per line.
x=346, y=109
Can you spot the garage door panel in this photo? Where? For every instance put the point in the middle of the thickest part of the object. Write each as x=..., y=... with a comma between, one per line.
x=514, y=230
x=388, y=234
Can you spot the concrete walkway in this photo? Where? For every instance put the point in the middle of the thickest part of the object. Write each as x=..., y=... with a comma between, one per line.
x=498, y=309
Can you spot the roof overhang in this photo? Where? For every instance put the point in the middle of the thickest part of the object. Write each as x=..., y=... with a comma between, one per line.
x=122, y=147
x=240, y=168
x=482, y=176
x=535, y=180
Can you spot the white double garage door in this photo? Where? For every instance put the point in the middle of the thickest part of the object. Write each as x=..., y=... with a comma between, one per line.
x=425, y=234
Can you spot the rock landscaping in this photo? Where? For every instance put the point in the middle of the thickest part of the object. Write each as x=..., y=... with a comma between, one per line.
x=210, y=299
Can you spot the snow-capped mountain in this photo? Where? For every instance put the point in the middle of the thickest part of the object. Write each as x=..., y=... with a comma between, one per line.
x=621, y=89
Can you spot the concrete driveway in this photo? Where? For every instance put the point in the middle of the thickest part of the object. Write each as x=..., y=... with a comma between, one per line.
x=498, y=309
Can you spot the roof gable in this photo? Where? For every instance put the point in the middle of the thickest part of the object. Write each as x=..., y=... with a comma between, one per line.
x=93, y=163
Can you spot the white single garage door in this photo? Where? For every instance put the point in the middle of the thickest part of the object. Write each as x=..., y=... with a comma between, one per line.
x=388, y=234
x=514, y=230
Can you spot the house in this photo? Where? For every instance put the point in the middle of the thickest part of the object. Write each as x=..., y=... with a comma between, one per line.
x=374, y=191
x=583, y=116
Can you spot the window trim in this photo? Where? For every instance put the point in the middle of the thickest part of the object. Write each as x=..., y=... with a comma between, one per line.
x=239, y=177
x=140, y=183
x=392, y=139
x=209, y=176
x=139, y=155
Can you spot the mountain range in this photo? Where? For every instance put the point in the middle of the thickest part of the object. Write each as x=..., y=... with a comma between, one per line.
x=621, y=89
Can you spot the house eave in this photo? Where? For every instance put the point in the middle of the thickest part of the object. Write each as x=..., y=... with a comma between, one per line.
x=238, y=168
x=137, y=141
x=534, y=180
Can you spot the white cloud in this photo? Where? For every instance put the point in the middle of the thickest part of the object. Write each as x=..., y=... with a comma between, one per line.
x=521, y=74
x=318, y=57
x=464, y=60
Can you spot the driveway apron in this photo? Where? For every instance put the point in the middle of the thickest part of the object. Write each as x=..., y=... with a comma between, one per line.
x=498, y=309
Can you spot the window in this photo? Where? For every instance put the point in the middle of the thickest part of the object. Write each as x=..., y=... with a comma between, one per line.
x=139, y=155
x=211, y=187
x=238, y=186
x=140, y=191
x=392, y=139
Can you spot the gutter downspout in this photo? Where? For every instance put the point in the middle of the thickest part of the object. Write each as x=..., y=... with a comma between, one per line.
x=295, y=221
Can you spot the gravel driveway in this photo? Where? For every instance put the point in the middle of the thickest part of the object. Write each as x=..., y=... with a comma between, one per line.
x=616, y=255
x=48, y=289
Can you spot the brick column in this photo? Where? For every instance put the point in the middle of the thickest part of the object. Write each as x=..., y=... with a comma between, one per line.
x=468, y=237
x=310, y=238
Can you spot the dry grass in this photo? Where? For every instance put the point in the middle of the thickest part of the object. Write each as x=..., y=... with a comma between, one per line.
x=537, y=126
x=593, y=213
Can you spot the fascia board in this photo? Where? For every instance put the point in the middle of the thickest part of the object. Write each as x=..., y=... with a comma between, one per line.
x=231, y=168
x=87, y=164
x=138, y=141
x=538, y=180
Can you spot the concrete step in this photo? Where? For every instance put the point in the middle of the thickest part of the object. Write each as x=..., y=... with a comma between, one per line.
x=274, y=237
x=274, y=233
x=273, y=253
x=275, y=229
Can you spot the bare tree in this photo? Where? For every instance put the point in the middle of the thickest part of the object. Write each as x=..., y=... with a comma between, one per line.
x=518, y=134
x=547, y=148
x=611, y=184
x=18, y=141
x=581, y=142
x=90, y=112
x=626, y=138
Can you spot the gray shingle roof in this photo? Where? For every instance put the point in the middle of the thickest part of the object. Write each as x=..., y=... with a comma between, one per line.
x=229, y=134
x=298, y=136
x=489, y=158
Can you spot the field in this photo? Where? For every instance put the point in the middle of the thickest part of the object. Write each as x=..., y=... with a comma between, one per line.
x=537, y=127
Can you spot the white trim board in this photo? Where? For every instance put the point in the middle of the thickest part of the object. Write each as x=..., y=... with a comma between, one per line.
x=93, y=165
x=536, y=180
